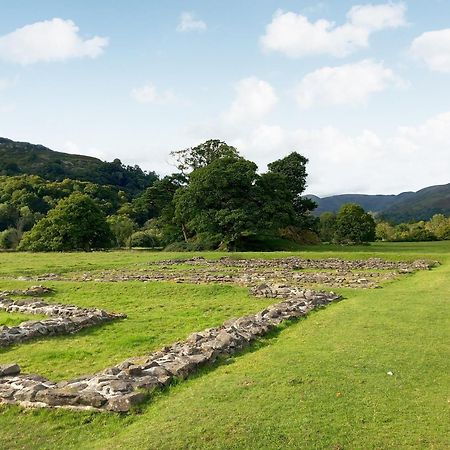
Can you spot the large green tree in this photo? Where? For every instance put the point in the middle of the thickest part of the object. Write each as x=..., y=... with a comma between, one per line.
x=193, y=158
x=228, y=198
x=293, y=168
x=219, y=200
x=76, y=223
x=354, y=225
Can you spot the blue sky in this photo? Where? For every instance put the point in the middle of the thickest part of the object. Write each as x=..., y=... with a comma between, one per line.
x=362, y=89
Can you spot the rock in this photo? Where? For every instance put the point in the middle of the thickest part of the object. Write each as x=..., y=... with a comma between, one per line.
x=64, y=319
x=29, y=394
x=119, y=386
x=9, y=370
x=124, y=403
x=58, y=397
x=91, y=398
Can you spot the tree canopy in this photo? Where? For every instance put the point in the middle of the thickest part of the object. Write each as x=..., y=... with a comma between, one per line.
x=76, y=223
x=217, y=199
x=354, y=225
x=193, y=158
x=228, y=198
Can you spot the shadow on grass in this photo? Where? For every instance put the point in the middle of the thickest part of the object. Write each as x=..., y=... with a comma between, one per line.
x=207, y=368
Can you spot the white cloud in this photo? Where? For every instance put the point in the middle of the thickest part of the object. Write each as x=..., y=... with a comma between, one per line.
x=378, y=17
x=346, y=84
x=188, y=22
x=51, y=40
x=295, y=36
x=411, y=158
x=254, y=99
x=149, y=94
x=5, y=83
x=433, y=47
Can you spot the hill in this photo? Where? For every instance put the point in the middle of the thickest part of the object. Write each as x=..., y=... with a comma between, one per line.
x=23, y=158
x=404, y=207
x=421, y=205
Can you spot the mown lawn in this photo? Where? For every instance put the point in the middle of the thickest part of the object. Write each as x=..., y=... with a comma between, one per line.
x=322, y=382
x=13, y=319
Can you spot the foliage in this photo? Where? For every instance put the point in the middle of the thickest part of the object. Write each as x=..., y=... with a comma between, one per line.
x=219, y=200
x=122, y=228
x=143, y=239
x=293, y=169
x=39, y=196
x=76, y=223
x=9, y=239
x=21, y=158
x=227, y=197
x=193, y=158
x=354, y=225
x=299, y=235
x=437, y=228
x=327, y=226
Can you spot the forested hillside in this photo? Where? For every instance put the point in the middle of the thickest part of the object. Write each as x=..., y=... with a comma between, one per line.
x=404, y=207
x=22, y=158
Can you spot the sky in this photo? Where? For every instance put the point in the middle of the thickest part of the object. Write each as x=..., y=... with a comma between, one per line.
x=361, y=89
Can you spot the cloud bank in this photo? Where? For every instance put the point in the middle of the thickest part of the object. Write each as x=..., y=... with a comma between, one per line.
x=50, y=40
x=433, y=48
x=349, y=84
x=295, y=36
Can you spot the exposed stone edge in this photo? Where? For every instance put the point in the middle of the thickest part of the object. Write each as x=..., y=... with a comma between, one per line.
x=65, y=319
x=120, y=387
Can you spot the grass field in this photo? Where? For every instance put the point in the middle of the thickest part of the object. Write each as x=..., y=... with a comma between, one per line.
x=321, y=382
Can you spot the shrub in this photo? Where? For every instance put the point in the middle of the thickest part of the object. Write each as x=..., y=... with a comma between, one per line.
x=9, y=239
x=143, y=239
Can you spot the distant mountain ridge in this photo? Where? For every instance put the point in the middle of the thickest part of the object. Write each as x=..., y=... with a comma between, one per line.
x=23, y=158
x=404, y=207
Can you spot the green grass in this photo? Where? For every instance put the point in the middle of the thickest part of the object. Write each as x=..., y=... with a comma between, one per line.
x=158, y=314
x=26, y=264
x=321, y=382
x=13, y=319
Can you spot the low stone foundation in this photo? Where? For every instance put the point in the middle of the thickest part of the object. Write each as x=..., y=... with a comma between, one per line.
x=330, y=272
x=65, y=319
x=120, y=387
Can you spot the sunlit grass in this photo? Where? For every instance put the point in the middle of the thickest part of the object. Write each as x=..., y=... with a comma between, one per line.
x=323, y=382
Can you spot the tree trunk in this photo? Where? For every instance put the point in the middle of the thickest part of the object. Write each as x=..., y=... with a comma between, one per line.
x=183, y=229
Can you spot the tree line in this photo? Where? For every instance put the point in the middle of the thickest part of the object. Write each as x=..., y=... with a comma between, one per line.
x=216, y=199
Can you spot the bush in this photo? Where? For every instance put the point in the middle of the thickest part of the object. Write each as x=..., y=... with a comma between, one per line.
x=9, y=239
x=143, y=239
